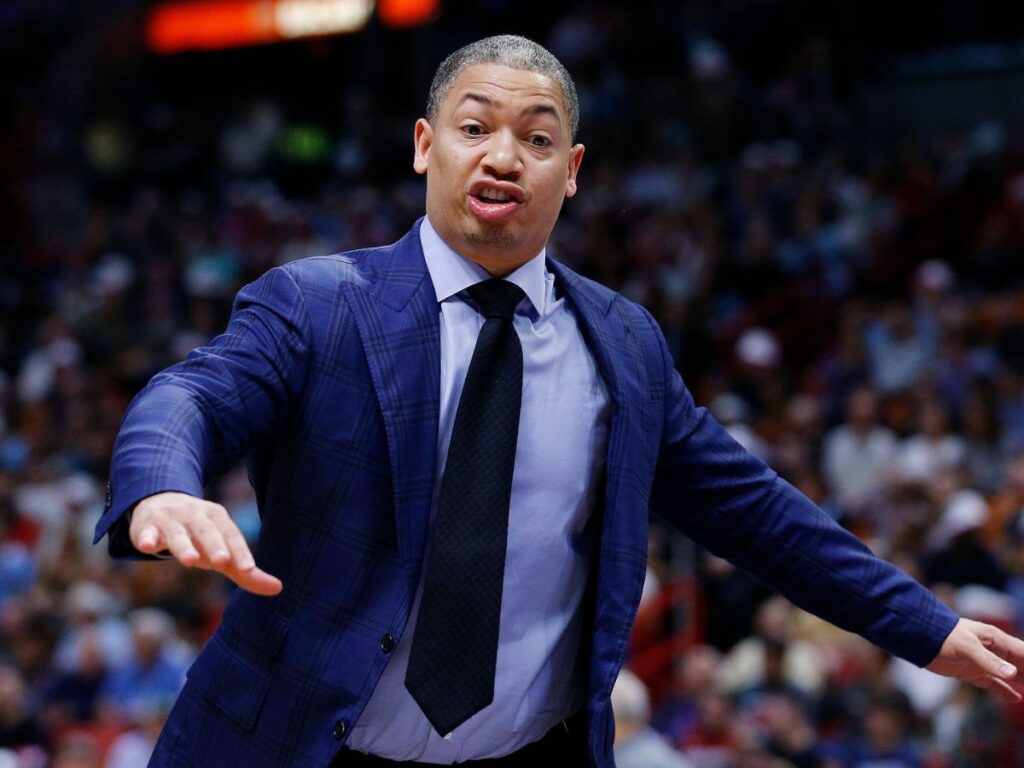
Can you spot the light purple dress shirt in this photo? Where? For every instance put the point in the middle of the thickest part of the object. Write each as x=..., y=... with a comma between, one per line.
x=563, y=431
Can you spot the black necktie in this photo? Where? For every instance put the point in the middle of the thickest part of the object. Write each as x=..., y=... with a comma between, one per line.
x=451, y=663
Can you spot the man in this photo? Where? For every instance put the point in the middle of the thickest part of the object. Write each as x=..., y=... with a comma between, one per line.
x=382, y=455
x=637, y=744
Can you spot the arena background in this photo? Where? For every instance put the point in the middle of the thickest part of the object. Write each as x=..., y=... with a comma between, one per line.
x=822, y=203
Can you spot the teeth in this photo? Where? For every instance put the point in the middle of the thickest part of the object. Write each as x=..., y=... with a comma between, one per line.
x=494, y=196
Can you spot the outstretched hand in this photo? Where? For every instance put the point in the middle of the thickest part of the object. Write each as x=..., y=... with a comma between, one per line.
x=199, y=534
x=984, y=656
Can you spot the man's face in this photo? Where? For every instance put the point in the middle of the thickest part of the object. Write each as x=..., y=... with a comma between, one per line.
x=499, y=163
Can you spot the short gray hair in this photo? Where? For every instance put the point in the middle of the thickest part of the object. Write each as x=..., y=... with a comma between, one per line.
x=152, y=622
x=511, y=51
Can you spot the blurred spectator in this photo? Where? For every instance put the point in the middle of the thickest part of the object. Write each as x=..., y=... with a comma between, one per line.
x=886, y=740
x=857, y=454
x=730, y=598
x=154, y=672
x=71, y=695
x=714, y=741
x=1012, y=551
x=959, y=556
x=970, y=727
x=901, y=351
x=40, y=368
x=758, y=376
x=736, y=416
x=677, y=715
x=787, y=730
x=867, y=675
x=934, y=299
x=933, y=449
x=772, y=682
x=844, y=367
x=797, y=436
x=797, y=663
x=18, y=567
x=19, y=726
x=926, y=691
x=637, y=745
x=135, y=746
x=77, y=750
x=983, y=441
x=90, y=611
x=1007, y=503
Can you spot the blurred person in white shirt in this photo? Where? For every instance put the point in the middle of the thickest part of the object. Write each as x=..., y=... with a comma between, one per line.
x=637, y=744
x=857, y=454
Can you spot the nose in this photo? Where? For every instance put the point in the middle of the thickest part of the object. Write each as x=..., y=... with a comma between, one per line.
x=502, y=159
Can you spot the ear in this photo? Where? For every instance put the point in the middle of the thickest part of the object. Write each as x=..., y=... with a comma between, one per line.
x=422, y=137
x=575, y=158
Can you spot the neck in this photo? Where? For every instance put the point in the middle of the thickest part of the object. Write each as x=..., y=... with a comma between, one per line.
x=496, y=260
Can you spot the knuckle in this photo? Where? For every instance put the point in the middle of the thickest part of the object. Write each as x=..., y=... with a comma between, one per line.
x=141, y=513
x=216, y=510
x=175, y=512
x=182, y=541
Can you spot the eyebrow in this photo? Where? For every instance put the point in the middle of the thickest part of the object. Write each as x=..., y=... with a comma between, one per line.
x=535, y=109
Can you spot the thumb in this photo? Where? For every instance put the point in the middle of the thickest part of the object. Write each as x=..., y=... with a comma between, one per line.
x=1004, y=669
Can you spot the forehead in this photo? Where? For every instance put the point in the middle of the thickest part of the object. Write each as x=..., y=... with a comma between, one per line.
x=505, y=86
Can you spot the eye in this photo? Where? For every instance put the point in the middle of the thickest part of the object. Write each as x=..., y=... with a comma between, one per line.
x=539, y=140
x=472, y=129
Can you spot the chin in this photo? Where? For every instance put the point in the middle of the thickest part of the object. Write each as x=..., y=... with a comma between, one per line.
x=496, y=236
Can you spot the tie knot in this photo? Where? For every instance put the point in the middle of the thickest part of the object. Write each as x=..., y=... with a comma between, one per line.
x=496, y=297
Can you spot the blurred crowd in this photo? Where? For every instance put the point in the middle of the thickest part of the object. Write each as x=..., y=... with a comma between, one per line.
x=851, y=310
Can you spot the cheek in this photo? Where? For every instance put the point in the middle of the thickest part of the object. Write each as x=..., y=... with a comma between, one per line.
x=450, y=170
x=554, y=194
x=440, y=186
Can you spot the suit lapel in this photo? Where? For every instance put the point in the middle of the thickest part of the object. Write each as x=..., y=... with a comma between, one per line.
x=629, y=465
x=397, y=317
x=610, y=340
x=600, y=326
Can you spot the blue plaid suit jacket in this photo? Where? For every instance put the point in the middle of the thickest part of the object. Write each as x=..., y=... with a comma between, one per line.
x=327, y=378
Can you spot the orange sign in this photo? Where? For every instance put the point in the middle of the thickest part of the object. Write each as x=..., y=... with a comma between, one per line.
x=212, y=24
x=408, y=13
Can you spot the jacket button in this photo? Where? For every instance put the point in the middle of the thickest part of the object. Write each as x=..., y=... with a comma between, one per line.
x=387, y=643
x=339, y=729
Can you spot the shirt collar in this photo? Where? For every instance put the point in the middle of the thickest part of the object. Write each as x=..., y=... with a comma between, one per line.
x=452, y=273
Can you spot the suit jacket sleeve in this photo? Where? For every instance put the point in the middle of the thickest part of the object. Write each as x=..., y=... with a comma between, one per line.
x=197, y=417
x=731, y=503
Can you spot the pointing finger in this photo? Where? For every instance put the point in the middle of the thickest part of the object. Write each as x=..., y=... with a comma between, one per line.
x=208, y=539
x=240, y=556
x=255, y=580
x=180, y=544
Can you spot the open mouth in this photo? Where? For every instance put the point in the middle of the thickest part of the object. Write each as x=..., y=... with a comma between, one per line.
x=495, y=200
x=494, y=196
